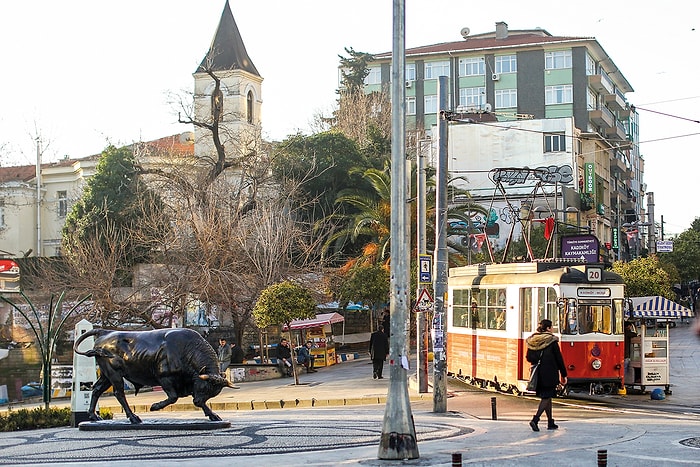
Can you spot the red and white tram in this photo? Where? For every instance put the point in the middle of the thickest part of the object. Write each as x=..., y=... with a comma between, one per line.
x=493, y=308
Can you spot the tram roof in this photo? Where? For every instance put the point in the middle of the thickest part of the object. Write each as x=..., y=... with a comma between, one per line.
x=554, y=271
x=515, y=268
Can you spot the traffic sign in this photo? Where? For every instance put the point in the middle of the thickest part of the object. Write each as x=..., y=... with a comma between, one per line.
x=425, y=271
x=425, y=301
x=664, y=246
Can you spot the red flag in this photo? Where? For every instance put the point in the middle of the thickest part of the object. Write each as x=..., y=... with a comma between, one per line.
x=548, y=227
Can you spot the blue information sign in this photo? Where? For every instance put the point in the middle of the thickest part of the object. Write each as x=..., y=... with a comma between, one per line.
x=425, y=275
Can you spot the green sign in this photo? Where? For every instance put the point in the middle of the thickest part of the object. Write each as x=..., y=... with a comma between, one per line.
x=589, y=177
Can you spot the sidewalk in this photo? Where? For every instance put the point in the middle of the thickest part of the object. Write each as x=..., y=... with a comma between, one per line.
x=338, y=419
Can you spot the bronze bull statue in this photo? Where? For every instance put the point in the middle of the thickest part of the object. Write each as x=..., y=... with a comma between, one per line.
x=179, y=360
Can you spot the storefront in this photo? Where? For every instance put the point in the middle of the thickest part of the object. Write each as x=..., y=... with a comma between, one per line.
x=319, y=331
x=649, y=352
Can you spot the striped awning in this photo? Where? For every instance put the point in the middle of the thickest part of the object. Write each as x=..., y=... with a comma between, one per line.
x=658, y=307
x=320, y=320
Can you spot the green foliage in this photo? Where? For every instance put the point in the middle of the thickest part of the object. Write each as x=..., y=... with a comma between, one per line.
x=354, y=69
x=114, y=197
x=25, y=419
x=686, y=253
x=367, y=284
x=323, y=163
x=644, y=277
x=282, y=303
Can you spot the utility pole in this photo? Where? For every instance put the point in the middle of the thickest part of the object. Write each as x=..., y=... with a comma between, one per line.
x=652, y=227
x=439, y=318
x=422, y=316
x=38, y=196
x=398, y=440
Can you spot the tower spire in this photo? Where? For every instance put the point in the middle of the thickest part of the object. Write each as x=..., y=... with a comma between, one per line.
x=227, y=51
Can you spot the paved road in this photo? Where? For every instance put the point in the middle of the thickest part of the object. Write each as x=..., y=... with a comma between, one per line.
x=345, y=424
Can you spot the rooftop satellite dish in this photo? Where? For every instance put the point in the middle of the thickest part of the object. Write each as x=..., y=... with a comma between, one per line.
x=464, y=32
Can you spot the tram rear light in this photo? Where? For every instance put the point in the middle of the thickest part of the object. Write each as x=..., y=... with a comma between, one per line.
x=596, y=364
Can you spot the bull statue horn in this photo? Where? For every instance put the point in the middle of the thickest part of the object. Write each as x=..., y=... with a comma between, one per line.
x=204, y=377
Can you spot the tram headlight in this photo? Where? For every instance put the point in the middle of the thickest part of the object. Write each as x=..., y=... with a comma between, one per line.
x=596, y=364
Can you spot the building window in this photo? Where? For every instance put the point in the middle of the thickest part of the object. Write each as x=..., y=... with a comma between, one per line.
x=557, y=60
x=249, y=107
x=410, y=106
x=411, y=72
x=62, y=197
x=555, y=142
x=506, y=98
x=435, y=69
x=471, y=66
x=590, y=65
x=431, y=104
x=563, y=94
x=472, y=97
x=506, y=64
x=374, y=75
x=591, y=100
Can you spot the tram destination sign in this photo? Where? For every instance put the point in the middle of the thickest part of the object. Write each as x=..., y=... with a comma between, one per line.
x=583, y=247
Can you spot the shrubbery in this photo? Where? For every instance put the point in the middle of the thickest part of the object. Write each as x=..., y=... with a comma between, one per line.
x=25, y=419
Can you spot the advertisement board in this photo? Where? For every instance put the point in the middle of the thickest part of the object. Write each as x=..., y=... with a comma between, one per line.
x=584, y=247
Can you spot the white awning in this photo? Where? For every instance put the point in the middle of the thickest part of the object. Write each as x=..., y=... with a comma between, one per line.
x=320, y=320
x=658, y=307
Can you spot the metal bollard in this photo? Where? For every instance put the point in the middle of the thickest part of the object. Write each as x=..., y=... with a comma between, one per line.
x=602, y=457
x=456, y=459
x=493, y=409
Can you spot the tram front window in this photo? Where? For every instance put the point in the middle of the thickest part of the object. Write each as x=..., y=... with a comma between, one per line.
x=595, y=318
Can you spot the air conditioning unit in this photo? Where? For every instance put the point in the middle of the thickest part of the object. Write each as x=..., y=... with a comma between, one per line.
x=495, y=77
x=409, y=84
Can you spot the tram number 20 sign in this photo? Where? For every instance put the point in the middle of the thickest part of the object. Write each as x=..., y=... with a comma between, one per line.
x=594, y=274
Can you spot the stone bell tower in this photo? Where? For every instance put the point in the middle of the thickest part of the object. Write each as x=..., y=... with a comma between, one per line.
x=238, y=102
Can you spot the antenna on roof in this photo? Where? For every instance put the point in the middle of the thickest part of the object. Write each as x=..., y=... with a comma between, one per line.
x=464, y=32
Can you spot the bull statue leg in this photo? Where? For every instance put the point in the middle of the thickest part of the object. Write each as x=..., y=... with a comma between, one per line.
x=100, y=386
x=170, y=392
x=202, y=404
x=118, y=387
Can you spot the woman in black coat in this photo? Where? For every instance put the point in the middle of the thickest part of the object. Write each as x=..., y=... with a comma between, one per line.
x=543, y=347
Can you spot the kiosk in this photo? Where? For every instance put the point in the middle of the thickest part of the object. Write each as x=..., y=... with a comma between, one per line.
x=650, y=350
x=319, y=331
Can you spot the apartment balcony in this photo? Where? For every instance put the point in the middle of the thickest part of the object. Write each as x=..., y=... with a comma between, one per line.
x=602, y=117
x=616, y=131
x=615, y=101
x=601, y=84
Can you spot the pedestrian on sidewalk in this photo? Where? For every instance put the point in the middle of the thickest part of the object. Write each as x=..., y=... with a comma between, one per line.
x=305, y=358
x=378, y=350
x=224, y=354
x=543, y=347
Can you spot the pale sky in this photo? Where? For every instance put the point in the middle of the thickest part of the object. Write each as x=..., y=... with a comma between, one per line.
x=85, y=73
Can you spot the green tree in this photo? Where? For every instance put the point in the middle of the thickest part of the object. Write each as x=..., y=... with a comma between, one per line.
x=644, y=277
x=115, y=200
x=368, y=284
x=282, y=303
x=354, y=69
x=686, y=253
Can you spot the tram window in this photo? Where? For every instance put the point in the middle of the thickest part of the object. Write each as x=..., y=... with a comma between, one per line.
x=594, y=318
x=569, y=317
x=618, y=316
x=526, y=308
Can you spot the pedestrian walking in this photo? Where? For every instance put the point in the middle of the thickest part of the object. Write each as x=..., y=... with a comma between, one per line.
x=224, y=354
x=378, y=351
x=236, y=354
x=543, y=348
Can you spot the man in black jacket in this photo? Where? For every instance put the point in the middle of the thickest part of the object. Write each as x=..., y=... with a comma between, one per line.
x=378, y=350
x=284, y=358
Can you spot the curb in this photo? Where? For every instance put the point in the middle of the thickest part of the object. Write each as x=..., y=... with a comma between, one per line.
x=267, y=404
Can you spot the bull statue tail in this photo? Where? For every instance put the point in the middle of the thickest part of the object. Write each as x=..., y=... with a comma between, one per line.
x=90, y=333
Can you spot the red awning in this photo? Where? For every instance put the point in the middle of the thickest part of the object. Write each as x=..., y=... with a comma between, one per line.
x=319, y=320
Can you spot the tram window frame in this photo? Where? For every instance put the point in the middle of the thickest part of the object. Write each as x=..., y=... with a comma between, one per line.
x=619, y=317
x=569, y=316
x=461, y=308
x=495, y=309
x=526, y=308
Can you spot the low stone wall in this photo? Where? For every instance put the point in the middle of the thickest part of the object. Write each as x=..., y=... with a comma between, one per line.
x=239, y=373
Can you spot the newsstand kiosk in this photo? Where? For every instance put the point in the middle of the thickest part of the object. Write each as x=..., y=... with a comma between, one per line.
x=319, y=331
x=650, y=350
